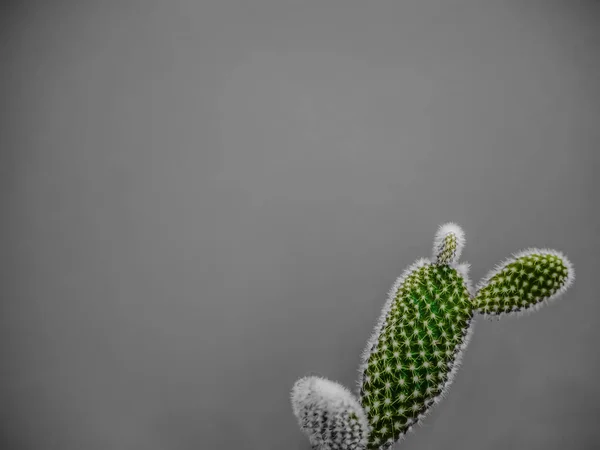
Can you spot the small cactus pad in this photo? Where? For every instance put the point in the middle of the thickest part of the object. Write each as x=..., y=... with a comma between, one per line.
x=329, y=414
x=410, y=362
x=524, y=282
x=448, y=243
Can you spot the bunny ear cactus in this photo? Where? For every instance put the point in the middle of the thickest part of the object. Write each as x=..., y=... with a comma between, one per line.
x=412, y=356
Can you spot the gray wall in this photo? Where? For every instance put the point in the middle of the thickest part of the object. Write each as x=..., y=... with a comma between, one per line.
x=204, y=201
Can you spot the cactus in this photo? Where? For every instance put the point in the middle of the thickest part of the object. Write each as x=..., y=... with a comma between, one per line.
x=412, y=356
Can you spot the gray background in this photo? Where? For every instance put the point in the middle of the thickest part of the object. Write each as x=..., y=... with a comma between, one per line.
x=205, y=200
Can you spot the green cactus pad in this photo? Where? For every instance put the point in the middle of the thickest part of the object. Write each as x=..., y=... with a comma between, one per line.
x=410, y=363
x=524, y=282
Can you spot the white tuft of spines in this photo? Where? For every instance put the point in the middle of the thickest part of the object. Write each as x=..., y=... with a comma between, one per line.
x=440, y=254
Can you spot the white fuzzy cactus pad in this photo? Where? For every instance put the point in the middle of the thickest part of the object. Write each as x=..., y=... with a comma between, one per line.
x=329, y=414
x=416, y=348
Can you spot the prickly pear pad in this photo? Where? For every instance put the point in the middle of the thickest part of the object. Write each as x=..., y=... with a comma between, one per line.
x=410, y=363
x=329, y=414
x=525, y=282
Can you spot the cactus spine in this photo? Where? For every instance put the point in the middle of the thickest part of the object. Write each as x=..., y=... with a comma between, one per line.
x=416, y=348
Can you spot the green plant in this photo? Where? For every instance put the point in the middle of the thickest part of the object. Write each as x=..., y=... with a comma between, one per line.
x=412, y=356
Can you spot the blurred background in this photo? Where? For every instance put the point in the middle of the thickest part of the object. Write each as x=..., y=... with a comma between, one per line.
x=203, y=201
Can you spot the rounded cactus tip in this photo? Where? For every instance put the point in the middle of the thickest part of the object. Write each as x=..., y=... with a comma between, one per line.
x=448, y=243
x=329, y=414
